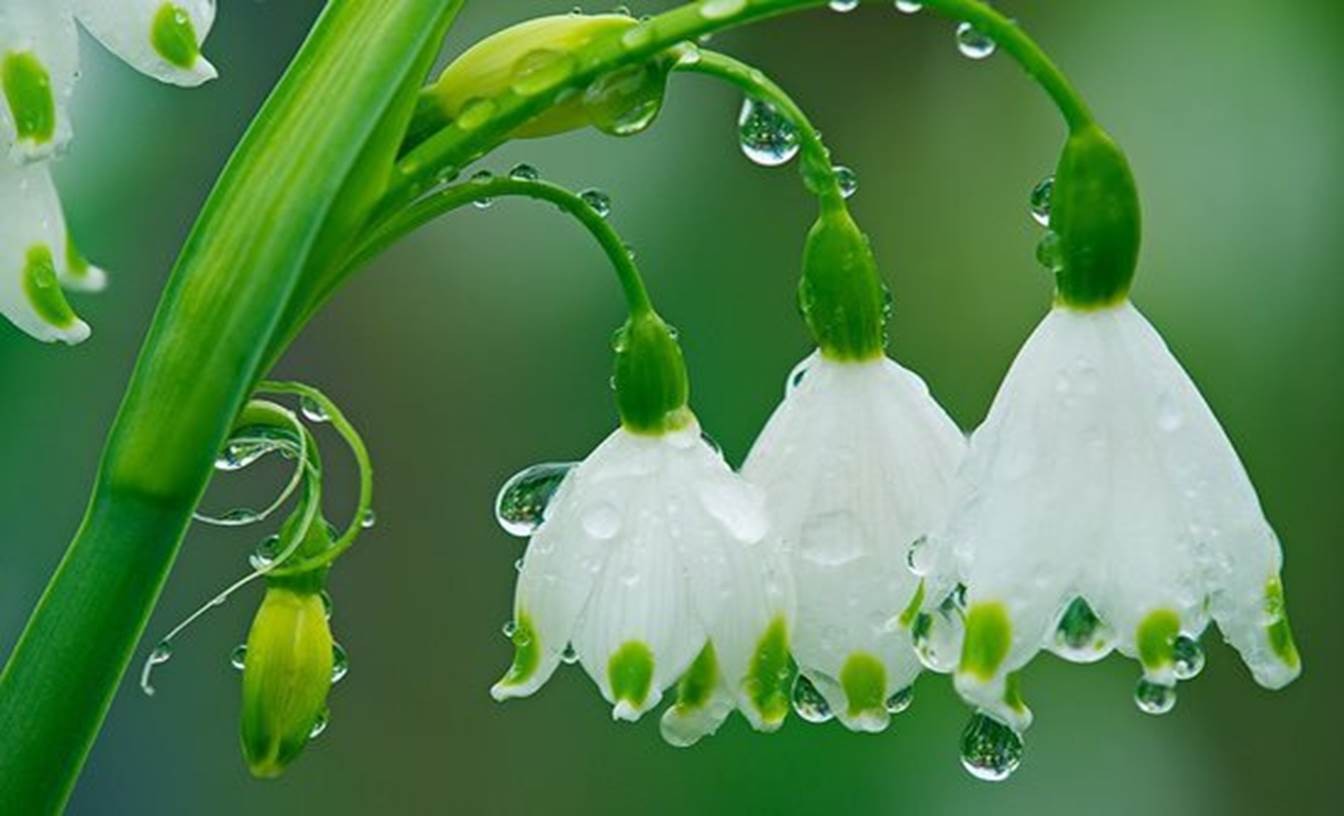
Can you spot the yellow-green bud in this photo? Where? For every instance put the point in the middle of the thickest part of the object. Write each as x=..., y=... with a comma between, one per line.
x=535, y=57
x=286, y=677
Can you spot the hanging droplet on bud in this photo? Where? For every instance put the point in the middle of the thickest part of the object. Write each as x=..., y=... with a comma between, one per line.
x=1049, y=253
x=1040, y=200
x=1188, y=657
x=808, y=703
x=908, y=7
x=313, y=411
x=340, y=663
x=264, y=554
x=972, y=43
x=990, y=750
x=238, y=657
x=847, y=179
x=766, y=136
x=597, y=200
x=524, y=172
x=1154, y=698
x=520, y=507
x=320, y=724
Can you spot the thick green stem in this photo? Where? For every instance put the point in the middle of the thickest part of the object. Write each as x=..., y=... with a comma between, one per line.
x=303, y=166
x=451, y=198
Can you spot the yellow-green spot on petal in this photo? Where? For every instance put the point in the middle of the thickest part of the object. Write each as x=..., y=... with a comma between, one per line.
x=630, y=672
x=767, y=682
x=173, y=36
x=912, y=608
x=864, y=680
x=28, y=93
x=44, y=293
x=75, y=261
x=1279, y=632
x=526, y=652
x=696, y=686
x=988, y=636
x=1012, y=693
x=1156, y=638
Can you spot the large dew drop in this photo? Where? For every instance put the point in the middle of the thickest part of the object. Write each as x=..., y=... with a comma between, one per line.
x=990, y=750
x=808, y=703
x=767, y=136
x=1081, y=636
x=1188, y=657
x=520, y=507
x=972, y=43
x=1154, y=698
x=1040, y=200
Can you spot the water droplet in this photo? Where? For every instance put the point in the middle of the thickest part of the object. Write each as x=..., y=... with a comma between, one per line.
x=1041, y=195
x=518, y=565
x=766, y=136
x=1049, y=252
x=238, y=657
x=312, y=410
x=368, y=518
x=901, y=700
x=509, y=629
x=601, y=520
x=1154, y=698
x=541, y=70
x=475, y=113
x=238, y=517
x=626, y=101
x=340, y=663
x=570, y=655
x=808, y=703
x=319, y=725
x=520, y=507
x=937, y=637
x=972, y=43
x=638, y=37
x=990, y=750
x=327, y=604
x=907, y=7
x=847, y=179
x=919, y=558
x=238, y=455
x=264, y=554
x=1081, y=636
x=598, y=200
x=1188, y=657
x=161, y=654
x=483, y=177
x=719, y=9
x=843, y=6
x=524, y=172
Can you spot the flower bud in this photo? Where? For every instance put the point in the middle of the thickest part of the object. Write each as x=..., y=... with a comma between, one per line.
x=1095, y=212
x=532, y=58
x=841, y=295
x=652, y=388
x=286, y=677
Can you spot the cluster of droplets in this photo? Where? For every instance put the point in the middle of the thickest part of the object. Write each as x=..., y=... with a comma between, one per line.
x=1048, y=250
x=771, y=139
x=596, y=200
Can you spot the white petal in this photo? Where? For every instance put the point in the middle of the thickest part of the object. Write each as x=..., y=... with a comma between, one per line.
x=161, y=39
x=32, y=256
x=1101, y=473
x=704, y=701
x=39, y=60
x=857, y=464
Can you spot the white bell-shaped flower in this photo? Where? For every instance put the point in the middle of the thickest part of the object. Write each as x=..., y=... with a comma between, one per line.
x=857, y=464
x=653, y=563
x=37, y=258
x=39, y=60
x=1101, y=506
x=161, y=39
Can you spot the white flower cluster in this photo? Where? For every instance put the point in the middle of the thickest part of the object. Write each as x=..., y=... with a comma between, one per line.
x=39, y=64
x=1100, y=506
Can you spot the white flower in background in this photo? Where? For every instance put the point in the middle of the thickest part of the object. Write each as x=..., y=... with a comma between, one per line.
x=652, y=563
x=1101, y=506
x=39, y=63
x=857, y=464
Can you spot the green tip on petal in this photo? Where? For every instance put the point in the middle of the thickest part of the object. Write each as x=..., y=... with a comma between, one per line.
x=864, y=680
x=630, y=673
x=768, y=681
x=1279, y=632
x=912, y=609
x=28, y=91
x=696, y=687
x=173, y=36
x=988, y=637
x=1156, y=638
x=43, y=291
x=526, y=652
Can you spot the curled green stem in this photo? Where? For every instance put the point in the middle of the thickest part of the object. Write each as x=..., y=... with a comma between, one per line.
x=393, y=228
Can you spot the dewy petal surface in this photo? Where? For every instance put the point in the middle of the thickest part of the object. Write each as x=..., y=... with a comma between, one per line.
x=161, y=39
x=32, y=256
x=1101, y=473
x=857, y=464
x=644, y=555
x=39, y=59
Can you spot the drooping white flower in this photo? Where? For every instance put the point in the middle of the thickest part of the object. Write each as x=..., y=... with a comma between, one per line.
x=39, y=63
x=857, y=464
x=1101, y=506
x=654, y=563
x=37, y=258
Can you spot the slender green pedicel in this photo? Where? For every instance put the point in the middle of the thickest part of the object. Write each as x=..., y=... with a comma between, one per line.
x=28, y=92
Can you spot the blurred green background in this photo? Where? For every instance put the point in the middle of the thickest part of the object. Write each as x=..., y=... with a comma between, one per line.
x=480, y=345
